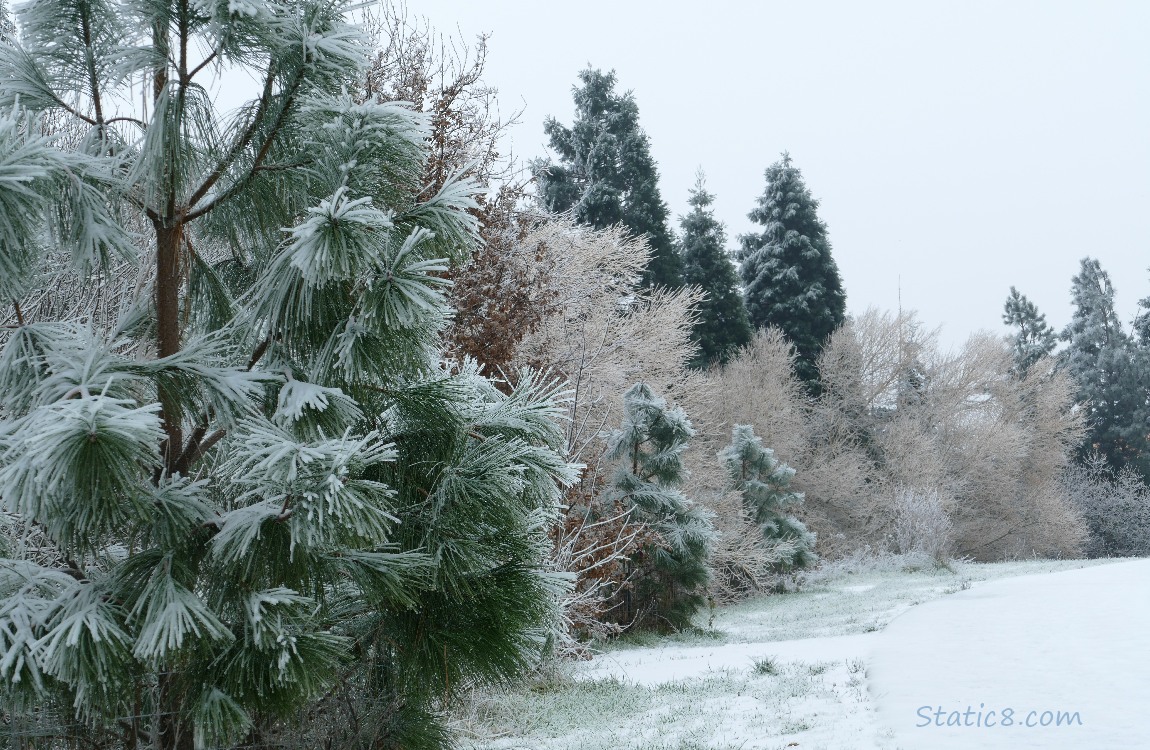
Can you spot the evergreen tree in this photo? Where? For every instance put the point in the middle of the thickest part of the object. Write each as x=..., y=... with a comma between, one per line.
x=790, y=279
x=1103, y=360
x=259, y=484
x=723, y=325
x=1142, y=324
x=1035, y=338
x=764, y=483
x=606, y=175
x=7, y=28
x=671, y=571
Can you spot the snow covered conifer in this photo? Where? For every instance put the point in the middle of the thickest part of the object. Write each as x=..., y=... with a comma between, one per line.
x=258, y=484
x=7, y=28
x=670, y=571
x=1035, y=338
x=1103, y=360
x=789, y=278
x=764, y=483
x=723, y=325
x=606, y=174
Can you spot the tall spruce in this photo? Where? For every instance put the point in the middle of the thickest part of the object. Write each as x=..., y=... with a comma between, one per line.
x=1034, y=339
x=606, y=174
x=790, y=280
x=723, y=325
x=764, y=483
x=1104, y=362
x=258, y=491
x=670, y=571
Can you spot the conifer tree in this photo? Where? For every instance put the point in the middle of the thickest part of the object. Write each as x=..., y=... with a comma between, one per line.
x=606, y=174
x=671, y=570
x=790, y=280
x=258, y=484
x=764, y=483
x=1035, y=339
x=1102, y=359
x=723, y=326
x=1142, y=324
x=7, y=28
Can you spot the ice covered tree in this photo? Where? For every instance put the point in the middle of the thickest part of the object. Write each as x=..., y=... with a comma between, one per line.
x=764, y=484
x=1102, y=358
x=670, y=572
x=723, y=325
x=7, y=28
x=790, y=280
x=1035, y=338
x=1142, y=323
x=256, y=489
x=606, y=174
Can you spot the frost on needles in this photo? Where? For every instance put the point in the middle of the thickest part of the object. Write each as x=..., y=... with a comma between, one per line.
x=255, y=487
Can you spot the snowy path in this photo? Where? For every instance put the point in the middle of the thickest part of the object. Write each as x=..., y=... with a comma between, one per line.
x=1077, y=641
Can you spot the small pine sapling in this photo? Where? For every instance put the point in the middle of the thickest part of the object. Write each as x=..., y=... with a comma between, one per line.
x=764, y=483
x=668, y=588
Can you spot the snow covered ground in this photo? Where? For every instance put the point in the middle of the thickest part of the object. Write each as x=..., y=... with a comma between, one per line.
x=852, y=662
x=1054, y=661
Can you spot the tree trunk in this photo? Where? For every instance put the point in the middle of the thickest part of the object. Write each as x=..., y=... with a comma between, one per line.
x=168, y=329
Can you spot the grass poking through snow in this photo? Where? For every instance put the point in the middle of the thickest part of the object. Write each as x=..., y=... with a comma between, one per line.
x=768, y=703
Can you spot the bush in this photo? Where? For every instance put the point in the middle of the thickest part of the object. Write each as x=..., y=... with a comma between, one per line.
x=1115, y=506
x=921, y=524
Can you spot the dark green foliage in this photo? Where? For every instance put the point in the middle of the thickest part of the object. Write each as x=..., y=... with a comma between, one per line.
x=1110, y=372
x=261, y=490
x=671, y=572
x=764, y=483
x=723, y=324
x=789, y=278
x=606, y=175
x=1035, y=338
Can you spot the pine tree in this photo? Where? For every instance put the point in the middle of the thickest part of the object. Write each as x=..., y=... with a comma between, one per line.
x=606, y=175
x=258, y=488
x=790, y=279
x=1035, y=338
x=1102, y=359
x=671, y=571
x=764, y=483
x=723, y=325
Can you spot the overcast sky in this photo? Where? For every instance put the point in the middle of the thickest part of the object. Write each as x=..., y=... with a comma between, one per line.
x=961, y=146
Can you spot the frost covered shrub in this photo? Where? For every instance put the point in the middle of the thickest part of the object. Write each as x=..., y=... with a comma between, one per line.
x=1115, y=507
x=896, y=411
x=921, y=525
x=256, y=490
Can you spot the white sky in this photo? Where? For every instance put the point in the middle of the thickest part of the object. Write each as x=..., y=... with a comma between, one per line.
x=962, y=146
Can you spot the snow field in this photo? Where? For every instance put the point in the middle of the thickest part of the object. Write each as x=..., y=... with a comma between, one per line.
x=1069, y=651
x=784, y=671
